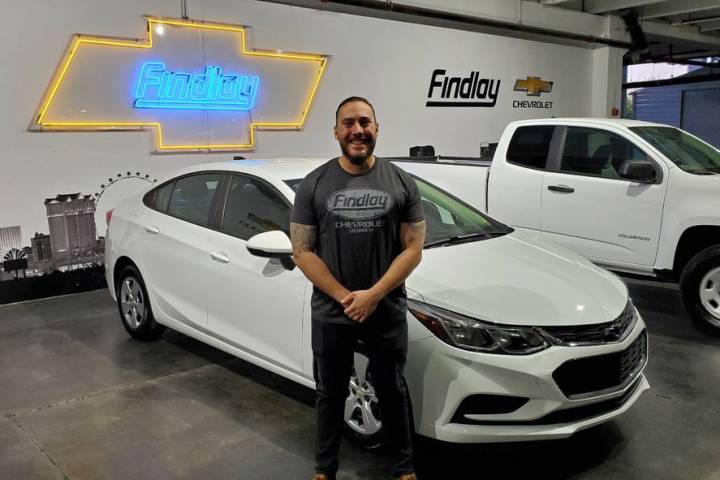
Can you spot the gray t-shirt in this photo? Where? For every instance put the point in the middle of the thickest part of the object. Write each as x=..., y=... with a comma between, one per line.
x=358, y=219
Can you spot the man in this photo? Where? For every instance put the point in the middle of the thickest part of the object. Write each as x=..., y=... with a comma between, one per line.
x=357, y=232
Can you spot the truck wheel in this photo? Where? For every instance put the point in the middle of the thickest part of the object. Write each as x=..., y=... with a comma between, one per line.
x=134, y=306
x=700, y=288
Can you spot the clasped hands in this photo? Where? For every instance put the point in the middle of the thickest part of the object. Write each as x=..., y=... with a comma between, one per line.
x=360, y=304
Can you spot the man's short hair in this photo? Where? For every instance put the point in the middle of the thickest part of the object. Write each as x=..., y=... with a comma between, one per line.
x=355, y=99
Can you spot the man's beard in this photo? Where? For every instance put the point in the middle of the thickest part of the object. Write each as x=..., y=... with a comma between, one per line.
x=362, y=158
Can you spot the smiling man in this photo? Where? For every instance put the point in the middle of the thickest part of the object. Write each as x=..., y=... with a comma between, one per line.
x=357, y=232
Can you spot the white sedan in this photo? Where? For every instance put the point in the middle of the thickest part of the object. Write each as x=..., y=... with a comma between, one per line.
x=510, y=338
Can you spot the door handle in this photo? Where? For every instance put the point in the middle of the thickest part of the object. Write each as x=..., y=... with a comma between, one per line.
x=152, y=229
x=220, y=257
x=561, y=188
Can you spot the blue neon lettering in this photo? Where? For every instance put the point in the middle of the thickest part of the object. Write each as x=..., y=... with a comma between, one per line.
x=210, y=90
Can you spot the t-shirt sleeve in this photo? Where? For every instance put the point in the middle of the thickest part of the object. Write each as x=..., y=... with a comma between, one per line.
x=413, y=211
x=303, y=209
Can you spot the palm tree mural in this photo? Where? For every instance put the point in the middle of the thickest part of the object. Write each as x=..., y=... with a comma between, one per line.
x=15, y=260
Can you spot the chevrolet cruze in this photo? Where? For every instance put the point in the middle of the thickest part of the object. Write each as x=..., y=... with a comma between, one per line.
x=511, y=338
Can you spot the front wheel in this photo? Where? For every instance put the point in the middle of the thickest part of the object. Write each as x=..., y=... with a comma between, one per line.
x=363, y=421
x=700, y=289
x=134, y=306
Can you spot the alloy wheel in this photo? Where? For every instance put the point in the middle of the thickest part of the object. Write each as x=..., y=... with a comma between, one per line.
x=362, y=408
x=132, y=302
x=710, y=294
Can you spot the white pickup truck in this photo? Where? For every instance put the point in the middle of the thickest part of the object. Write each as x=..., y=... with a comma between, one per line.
x=631, y=196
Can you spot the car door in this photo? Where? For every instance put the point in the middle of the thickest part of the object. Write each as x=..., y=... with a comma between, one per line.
x=254, y=303
x=173, y=246
x=514, y=188
x=588, y=207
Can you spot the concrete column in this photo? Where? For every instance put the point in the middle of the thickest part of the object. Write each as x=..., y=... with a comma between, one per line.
x=607, y=68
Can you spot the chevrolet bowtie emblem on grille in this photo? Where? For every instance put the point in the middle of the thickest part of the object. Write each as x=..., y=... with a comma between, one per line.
x=196, y=85
x=534, y=86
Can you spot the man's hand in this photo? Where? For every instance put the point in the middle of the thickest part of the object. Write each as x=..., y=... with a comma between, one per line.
x=360, y=304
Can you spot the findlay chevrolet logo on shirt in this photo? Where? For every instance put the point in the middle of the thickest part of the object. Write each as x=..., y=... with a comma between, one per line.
x=470, y=91
x=360, y=208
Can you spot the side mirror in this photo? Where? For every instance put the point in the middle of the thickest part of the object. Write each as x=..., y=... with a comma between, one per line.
x=273, y=244
x=638, y=170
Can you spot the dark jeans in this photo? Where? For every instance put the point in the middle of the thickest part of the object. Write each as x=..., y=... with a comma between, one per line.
x=333, y=348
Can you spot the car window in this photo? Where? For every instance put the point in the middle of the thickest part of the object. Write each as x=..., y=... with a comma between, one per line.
x=446, y=216
x=192, y=197
x=590, y=151
x=687, y=152
x=254, y=207
x=530, y=145
x=162, y=197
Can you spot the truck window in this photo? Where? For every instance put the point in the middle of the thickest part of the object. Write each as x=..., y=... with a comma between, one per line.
x=589, y=151
x=687, y=152
x=529, y=146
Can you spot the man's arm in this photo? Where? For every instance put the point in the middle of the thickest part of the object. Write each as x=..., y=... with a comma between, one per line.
x=303, y=239
x=359, y=305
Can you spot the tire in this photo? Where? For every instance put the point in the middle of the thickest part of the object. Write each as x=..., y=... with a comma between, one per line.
x=363, y=422
x=700, y=289
x=134, y=306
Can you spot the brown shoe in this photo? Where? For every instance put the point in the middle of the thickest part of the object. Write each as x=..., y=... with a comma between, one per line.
x=407, y=476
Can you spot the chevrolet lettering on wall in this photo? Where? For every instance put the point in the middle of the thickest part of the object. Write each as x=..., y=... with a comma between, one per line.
x=471, y=90
x=533, y=87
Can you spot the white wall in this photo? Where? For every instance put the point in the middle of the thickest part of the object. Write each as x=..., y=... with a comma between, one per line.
x=388, y=62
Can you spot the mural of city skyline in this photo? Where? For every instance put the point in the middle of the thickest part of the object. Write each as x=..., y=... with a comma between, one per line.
x=71, y=243
x=68, y=258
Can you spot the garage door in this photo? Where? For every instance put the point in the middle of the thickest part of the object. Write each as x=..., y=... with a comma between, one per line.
x=700, y=114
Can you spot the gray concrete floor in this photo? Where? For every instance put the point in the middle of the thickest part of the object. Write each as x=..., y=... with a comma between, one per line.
x=79, y=399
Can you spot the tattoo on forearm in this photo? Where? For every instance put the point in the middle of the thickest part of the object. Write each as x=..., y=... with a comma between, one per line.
x=302, y=237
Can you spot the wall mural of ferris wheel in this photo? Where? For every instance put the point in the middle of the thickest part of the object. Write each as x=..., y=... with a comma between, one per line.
x=111, y=181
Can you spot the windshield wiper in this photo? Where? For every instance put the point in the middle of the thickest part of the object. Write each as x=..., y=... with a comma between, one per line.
x=453, y=239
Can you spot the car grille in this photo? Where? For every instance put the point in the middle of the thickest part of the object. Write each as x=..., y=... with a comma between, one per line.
x=609, y=332
x=602, y=373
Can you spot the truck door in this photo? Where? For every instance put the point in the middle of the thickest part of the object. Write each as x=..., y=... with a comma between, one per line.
x=589, y=208
x=514, y=188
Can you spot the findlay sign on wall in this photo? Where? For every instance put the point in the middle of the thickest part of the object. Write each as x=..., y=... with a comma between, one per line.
x=196, y=84
x=474, y=90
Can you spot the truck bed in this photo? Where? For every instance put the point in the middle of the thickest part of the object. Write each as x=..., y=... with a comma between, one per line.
x=452, y=174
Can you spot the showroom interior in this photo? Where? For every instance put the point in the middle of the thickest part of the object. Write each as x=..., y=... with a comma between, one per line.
x=582, y=135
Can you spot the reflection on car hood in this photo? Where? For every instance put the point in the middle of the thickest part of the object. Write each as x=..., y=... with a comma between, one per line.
x=518, y=279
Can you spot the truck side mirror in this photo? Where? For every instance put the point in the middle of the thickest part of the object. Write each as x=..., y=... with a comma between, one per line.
x=638, y=170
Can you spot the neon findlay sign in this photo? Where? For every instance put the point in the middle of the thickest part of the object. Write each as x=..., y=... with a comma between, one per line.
x=158, y=88
x=196, y=85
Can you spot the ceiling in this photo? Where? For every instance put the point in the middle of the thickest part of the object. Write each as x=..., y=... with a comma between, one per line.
x=675, y=30
x=680, y=31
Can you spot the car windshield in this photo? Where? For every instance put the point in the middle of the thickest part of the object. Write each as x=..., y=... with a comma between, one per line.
x=449, y=220
x=687, y=152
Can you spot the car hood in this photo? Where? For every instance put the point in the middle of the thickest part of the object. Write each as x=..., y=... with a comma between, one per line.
x=518, y=279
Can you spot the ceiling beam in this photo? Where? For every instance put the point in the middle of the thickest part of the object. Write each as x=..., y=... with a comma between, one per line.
x=685, y=20
x=709, y=27
x=605, y=6
x=554, y=2
x=676, y=7
x=687, y=33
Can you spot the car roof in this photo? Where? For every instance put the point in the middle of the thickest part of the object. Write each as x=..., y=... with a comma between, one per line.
x=279, y=169
x=621, y=122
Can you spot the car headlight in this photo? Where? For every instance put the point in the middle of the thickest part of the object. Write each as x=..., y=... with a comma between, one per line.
x=475, y=335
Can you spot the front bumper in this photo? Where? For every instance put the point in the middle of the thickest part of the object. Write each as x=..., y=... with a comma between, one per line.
x=440, y=377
